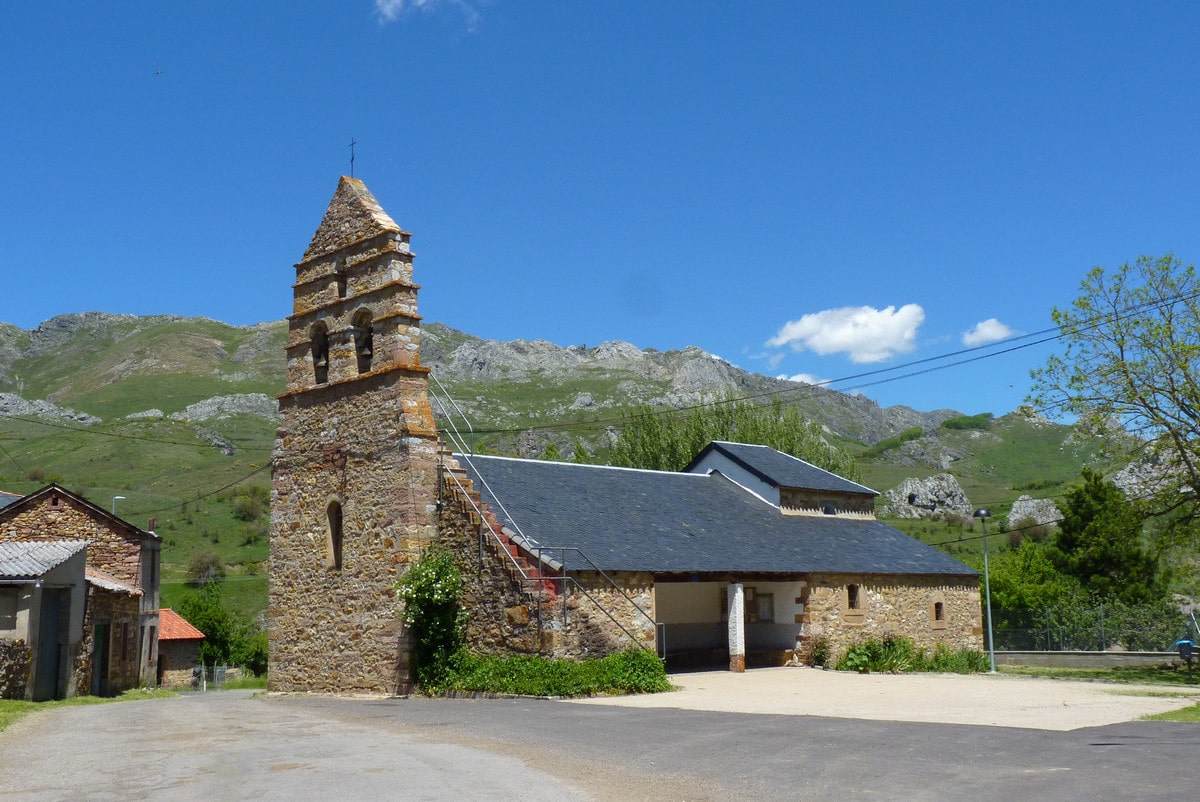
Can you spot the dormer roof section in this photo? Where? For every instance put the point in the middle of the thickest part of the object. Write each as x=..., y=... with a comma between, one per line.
x=777, y=469
x=352, y=216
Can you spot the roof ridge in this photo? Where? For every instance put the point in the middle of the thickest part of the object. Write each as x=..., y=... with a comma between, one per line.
x=574, y=464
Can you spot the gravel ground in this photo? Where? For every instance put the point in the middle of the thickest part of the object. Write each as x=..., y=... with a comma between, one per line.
x=994, y=700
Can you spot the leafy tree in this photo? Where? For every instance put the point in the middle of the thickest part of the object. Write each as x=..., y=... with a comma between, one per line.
x=1100, y=543
x=1132, y=357
x=229, y=639
x=668, y=442
x=205, y=611
x=1027, y=578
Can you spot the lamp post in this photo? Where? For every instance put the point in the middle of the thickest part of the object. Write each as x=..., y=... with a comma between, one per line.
x=114, y=504
x=983, y=515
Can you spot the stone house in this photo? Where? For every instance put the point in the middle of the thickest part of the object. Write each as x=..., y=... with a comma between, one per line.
x=118, y=643
x=42, y=596
x=748, y=551
x=178, y=649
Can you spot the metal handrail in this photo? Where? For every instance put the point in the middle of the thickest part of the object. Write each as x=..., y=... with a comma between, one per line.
x=564, y=579
x=457, y=438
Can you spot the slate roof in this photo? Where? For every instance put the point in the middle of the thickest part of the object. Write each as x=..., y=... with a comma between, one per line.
x=635, y=520
x=29, y=560
x=782, y=470
x=8, y=498
x=173, y=626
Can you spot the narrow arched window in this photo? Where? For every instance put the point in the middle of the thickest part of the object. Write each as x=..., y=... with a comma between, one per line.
x=334, y=556
x=364, y=340
x=340, y=276
x=319, y=336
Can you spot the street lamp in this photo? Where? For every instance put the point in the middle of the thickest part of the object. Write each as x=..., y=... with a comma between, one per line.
x=983, y=515
x=114, y=504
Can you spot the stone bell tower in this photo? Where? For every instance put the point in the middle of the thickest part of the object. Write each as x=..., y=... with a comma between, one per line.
x=354, y=480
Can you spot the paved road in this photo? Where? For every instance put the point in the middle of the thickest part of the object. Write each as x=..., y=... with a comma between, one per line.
x=230, y=745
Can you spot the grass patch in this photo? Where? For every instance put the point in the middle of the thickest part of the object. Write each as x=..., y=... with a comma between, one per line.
x=630, y=671
x=1165, y=674
x=13, y=709
x=1188, y=714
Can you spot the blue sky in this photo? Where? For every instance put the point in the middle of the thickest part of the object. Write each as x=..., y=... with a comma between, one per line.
x=817, y=189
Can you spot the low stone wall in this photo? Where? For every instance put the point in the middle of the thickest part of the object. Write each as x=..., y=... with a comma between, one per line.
x=1087, y=659
x=15, y=660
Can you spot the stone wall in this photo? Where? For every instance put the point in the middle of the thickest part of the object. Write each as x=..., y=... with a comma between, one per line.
x=333, y=627
x=121, y=612
x=801, y=501
x=57, y=516
x=178, y=657
x=15, y=660
x=508, y=614
x=890, y=605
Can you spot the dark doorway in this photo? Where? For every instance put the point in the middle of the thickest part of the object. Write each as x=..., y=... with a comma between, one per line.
x=50, y=645
x=101, y=657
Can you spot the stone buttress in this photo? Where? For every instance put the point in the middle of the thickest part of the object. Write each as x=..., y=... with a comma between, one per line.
x=354, y=481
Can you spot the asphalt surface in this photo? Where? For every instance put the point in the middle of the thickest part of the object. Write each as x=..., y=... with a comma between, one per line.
x=235, y=746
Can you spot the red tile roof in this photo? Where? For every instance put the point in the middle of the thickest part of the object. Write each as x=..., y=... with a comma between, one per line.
x=173, y=626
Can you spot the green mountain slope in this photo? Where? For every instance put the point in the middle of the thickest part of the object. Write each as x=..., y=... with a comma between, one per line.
x=185, y=410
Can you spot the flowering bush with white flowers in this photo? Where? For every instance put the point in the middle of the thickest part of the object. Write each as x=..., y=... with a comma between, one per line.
x=431, y=593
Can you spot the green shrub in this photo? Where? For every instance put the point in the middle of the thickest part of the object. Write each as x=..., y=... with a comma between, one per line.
x=980, y=421
x=434, y=615
x=820, y=652
x=895, y=655
x=888, y=443
x=630, y=671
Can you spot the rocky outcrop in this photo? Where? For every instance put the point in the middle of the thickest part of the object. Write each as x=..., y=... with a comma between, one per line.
x=1143, y=478
x=224, y=406
x=619, y=374
x=1042, y=510
x=936, y=498
x=11, y=404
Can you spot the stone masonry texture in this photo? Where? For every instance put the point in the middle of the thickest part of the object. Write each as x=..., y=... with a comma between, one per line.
x=359, y=439
x=890, y=605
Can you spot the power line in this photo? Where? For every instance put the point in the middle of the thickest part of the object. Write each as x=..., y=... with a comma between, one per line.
x=1043, y=336
x=119, y=436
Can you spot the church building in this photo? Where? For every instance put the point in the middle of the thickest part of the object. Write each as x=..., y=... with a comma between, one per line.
x=748, y=556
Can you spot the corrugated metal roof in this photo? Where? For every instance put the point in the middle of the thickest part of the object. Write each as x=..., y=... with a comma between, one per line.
x=173, y=626
x=636, y=520
x=29, y=560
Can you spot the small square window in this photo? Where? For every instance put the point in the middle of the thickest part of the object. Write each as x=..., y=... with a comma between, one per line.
x=764, y=607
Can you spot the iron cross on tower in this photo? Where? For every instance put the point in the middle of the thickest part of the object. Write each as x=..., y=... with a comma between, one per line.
x=353, y=142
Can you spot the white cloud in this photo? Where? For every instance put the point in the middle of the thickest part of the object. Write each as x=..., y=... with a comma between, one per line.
x=392, y=10
x=987, y=331
x=864, y=333
x=803, y=378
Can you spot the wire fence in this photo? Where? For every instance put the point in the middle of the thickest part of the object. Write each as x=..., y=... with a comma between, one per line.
x=1101, y=627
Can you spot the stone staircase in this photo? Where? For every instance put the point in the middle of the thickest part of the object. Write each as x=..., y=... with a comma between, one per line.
x=523, y=568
